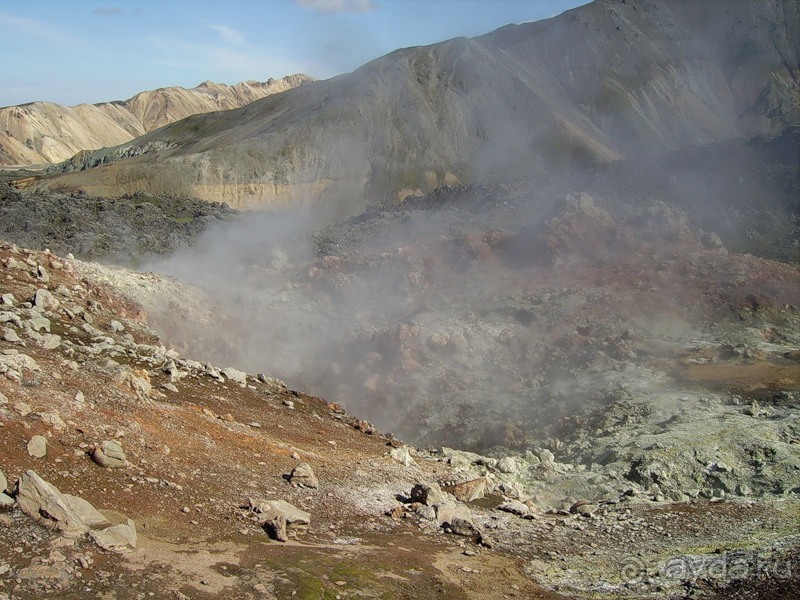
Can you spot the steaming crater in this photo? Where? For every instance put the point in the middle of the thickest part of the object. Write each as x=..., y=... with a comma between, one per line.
x=616, y=335
x=526, y=316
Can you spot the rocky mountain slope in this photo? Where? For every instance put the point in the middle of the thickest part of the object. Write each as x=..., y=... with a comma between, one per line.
x=601, y=82
x=122, y=230
x=45, y=132
x=131, y=470
x=594, y=348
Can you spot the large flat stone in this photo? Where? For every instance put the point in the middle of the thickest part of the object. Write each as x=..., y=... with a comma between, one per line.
x=291, y=513
x=117, y=538
x=43, y=501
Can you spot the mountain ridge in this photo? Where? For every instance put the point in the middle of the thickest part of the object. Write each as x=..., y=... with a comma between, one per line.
x=604, y=81
x=47, y=132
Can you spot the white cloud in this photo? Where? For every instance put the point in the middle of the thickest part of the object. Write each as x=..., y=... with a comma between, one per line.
x=222, y=61
x=37, y=29
x=338, y=6
x=229, y=34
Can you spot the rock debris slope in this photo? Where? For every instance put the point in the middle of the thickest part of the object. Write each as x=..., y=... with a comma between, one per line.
x=601, y=82
x=45, y=132
x=164, y=475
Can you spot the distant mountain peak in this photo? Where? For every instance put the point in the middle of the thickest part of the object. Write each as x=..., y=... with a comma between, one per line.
x=46, y=132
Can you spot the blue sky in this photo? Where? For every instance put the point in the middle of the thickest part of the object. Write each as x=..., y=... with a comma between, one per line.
x=74, y=51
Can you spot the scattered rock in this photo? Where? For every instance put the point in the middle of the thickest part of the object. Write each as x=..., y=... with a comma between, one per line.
x=3, y=482
x=583, y=507
x=45, y=299
x=110, y=455
x=275, y=526
x=547, y=458
x=37, y=446
x=429, y=494
x=14, y=365
x=426, y=512
x=53, y=419
x=278, y=515
x=402, y=455
x=515, y=507
x=10, y=335
x=139, y=383
x=117, y=538
x=474, y=489
x=49, y=341
x=457, y=518
x=365, y=427
x=507, y=465
x=234, y=375
x=303, y=476
x=22, y=408
x=293, y=514
x=43, y=501
x=10, y=317
x=38, y=323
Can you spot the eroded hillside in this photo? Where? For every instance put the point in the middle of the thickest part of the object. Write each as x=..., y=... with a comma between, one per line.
x=191, y=467
x=588, y=358
x=45, y=132
x=605, y=81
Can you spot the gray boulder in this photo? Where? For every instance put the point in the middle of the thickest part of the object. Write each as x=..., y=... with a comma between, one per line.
x=110, y=455
x=10, y=335
x=515, y=507
x=117, y=538
x=45, y=299
x=457, y=518
x=278, y=516
x=235, y=375
x=38, y=323
x=37, y=446
x=275, y=526
x=474, y=489
x=43, y=501
x=402, y=455
x=303, y=476
x=294, y=516
x=429, y=494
